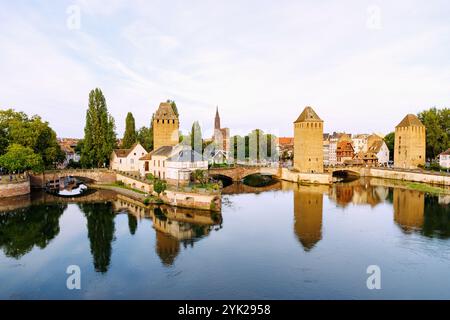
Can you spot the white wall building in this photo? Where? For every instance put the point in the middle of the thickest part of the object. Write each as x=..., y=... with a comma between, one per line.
x=360, y=142
x=127, y=159
x=444, y=159
x=381, y=150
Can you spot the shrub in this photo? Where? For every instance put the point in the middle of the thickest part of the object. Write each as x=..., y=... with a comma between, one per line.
x=146, y=201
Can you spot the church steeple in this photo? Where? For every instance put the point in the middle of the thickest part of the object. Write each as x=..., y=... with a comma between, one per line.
x=217, y=119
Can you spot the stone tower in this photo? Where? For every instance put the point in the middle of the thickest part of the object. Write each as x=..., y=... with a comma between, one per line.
x=165, y=126
x=308, y=142
x=409, y=148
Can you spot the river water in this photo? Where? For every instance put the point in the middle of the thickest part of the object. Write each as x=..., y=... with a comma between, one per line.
x=278, y=242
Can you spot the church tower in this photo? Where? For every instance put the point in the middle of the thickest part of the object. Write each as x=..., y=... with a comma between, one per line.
x=410, y=142
x=165, y=126
x=217, y=120
x=308, y=142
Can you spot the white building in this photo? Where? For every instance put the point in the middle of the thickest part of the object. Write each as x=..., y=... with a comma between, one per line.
x=173, y=164
x=381, y=150
x=127, y=159
x=444, y=159
x=360, y=142
x=182, y=164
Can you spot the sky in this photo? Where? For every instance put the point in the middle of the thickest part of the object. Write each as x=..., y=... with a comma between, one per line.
x=362, y=65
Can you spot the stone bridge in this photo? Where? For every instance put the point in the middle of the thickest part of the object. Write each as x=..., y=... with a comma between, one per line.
x=238, y=173
x=100, y=176
x=351, y=170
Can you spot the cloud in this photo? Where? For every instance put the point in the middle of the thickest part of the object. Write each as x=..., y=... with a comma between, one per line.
x=261, y=62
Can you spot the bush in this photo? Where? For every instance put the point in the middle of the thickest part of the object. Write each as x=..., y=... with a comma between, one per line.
x=146, y=201
x=150, y=177
x=159, y=186
x=120, y=183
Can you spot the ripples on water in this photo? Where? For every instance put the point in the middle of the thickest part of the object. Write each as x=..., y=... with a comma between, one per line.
x=282, y=241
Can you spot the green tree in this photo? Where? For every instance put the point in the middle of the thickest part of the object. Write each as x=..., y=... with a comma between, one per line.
x=99, y=132
x=18, y=128
x=390, y=141
x=130, y=136
x=145, y=137
x=19, y=158
x=159, y=186
x=437, y=124
x=200, y=176
x=174, y=106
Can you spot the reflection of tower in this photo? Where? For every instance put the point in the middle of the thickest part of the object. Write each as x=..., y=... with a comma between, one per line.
x=167, y=248
x=409, y=209
x=308, y=208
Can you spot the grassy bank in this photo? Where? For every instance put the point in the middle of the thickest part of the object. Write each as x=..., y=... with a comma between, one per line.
x=426, y=188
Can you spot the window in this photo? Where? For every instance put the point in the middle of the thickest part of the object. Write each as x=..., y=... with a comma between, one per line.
x=132, y=161
x=120, y=160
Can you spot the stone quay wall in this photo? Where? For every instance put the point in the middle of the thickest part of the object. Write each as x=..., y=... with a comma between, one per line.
x=15, y=188
x=443, y=180
x=314, y=178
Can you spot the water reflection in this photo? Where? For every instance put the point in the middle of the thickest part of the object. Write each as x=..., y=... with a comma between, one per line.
x=33, y=221
x=358, y=192
x=23, y=229
x=409, y=208
x=101, y=228
x=308, y=209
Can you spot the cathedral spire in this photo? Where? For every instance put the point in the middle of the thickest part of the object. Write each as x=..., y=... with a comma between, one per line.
x=217, y=119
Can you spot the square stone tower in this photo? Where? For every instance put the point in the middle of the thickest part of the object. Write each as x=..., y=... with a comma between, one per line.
x=308, y=142
x=165, y=126
x=409, y=146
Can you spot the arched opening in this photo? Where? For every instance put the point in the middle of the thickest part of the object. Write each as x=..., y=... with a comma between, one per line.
x=259, y=180
x=345, y=176
x=226, y=181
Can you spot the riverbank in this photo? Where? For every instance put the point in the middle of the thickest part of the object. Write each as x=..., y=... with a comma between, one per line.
x=176, y=198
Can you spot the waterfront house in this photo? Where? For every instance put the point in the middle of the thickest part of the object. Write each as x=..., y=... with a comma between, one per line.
x=127, y=159
x=444, y=159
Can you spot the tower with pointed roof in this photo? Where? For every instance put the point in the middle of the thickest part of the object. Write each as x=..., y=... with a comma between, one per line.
x=217, y=120
x=221, y=136
x=308, y=144
x=410, y=143
x=165, y=126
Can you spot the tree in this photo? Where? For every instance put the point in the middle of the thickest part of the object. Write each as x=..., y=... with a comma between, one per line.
x=99, y=132
x=159, y=186
x=174, y=106
x=130, y=136
x=390, y=141
x=200, y=176
x=196, y=137
x=145, y=138
x=19, y=158
x=437, y=124
x=18, y=128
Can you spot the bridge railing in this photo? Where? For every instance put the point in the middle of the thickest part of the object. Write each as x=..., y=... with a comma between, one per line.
x=13, y=178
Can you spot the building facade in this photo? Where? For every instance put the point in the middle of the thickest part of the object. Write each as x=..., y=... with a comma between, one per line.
x=127, y=159
x=360, y=142
x=308, y=142
x=165, y=126
x=410, y=143
x=344, y=149
x=326, y=149
x=444, y=159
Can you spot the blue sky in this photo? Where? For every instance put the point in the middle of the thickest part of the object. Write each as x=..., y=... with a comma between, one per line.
x=362, y=65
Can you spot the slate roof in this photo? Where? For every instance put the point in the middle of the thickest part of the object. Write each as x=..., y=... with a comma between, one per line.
x=410, y=120
x=165, y=111
x=186, y=155
x=308, y=114
x=161, y=151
